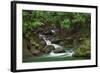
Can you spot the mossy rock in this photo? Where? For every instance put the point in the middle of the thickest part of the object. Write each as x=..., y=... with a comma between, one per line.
x=82, y=52
x=47, y=49
x=36, y=52
x=25, y=51
x=59, y=50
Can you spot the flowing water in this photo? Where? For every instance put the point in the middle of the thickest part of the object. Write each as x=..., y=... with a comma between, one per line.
x=67, y=55
x=52, y=54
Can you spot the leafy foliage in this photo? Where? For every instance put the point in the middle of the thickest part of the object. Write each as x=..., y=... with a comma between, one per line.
x=37, y=24
x=70, y=24
x=66, y=23
x=63, y=19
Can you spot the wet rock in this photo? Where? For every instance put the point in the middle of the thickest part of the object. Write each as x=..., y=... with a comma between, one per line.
x=47, y=49
x=48, y=33
x=40, y=30
x=37, y=42
x=36, y=52
x=61, y=43
x=42, y=43
x=56, y=40
x=49, y=37
x=59, y=50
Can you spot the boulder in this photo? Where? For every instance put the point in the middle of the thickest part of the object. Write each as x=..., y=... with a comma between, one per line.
x=47, y=49
x=59, y=50
x=40, y=30
x=48, y=33
x=42, y=43
x=61, y=43
x=36, y=52
x=56, y=40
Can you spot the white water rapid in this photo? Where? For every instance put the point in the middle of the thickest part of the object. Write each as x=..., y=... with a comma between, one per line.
x=48, y=42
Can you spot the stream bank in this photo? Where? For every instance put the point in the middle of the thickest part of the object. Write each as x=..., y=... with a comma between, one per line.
x=48, y=45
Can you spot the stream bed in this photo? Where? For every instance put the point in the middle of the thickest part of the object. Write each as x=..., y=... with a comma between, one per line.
x=53, y=57
x=51, y=50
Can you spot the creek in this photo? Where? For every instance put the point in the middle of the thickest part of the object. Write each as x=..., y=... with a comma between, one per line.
x=58, y=53
x=48, y=42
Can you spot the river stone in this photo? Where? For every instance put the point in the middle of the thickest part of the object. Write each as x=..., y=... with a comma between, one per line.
x=59, y=50
x=61, y=43
x=48, y=33
x=36, y=52
x=47, y=49
x=40, y=30
x=49, y=37
x=34, y=49
x=42, y=43
x=55, y=40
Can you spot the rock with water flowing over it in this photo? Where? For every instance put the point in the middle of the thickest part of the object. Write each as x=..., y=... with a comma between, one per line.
x=47, y=49
x=56, y=40
x=59, y=50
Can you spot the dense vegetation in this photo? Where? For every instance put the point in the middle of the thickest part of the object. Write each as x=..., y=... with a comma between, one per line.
x=72, y=31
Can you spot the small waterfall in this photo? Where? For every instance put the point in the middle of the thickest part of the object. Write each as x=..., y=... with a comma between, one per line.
x=57, y=54
x=48, y=42
x=52, y=31
x=56, y=46
x=69, y=53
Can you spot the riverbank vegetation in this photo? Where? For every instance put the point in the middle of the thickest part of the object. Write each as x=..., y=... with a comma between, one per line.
x=70, y=30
